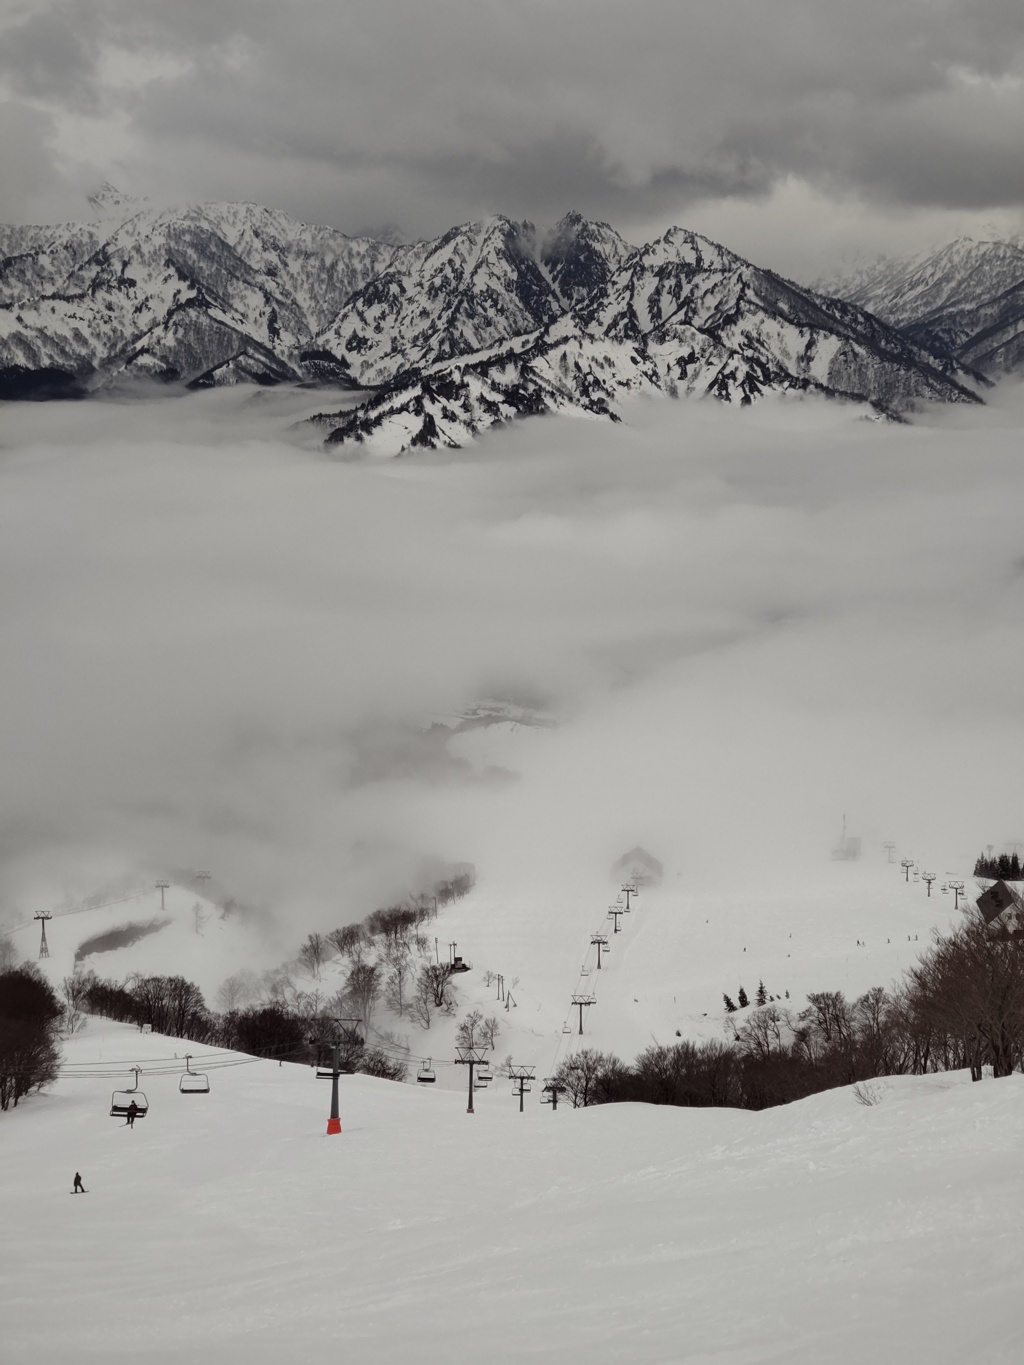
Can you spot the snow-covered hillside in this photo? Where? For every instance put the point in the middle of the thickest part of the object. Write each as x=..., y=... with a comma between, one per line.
x=844, y=926
x=965, y=299
x=227, y=1227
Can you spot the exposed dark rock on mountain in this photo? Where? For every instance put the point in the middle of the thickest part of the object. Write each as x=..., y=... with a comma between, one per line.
x=963, y=302
x=492, y=320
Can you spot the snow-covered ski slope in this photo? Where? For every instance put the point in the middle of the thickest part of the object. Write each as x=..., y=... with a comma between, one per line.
x=228, y=1227
x=843, y=926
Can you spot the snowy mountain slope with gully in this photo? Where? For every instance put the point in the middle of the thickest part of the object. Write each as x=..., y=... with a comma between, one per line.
x=963, y=301
x=492, y=320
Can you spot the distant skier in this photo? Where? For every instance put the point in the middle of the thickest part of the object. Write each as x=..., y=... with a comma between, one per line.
x=79, y=1187
x=133, y=1109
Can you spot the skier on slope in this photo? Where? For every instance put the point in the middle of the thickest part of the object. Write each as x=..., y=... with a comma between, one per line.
x=79, y=1187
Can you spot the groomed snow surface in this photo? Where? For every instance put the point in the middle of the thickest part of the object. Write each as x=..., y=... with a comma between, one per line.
x=229, y=1227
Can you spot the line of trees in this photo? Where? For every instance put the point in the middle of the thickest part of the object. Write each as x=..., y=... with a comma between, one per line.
x=29, y=1042
x=1005, y=868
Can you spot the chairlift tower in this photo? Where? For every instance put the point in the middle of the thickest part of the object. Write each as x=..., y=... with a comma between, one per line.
x=162, y=887
x=580, y=1002
x=471, y=1057
x=614, y=911
x=599, y=941
x=43, y=916
x=202, y=878
x=521, y=1076
x=890, y=848
x=928, y=878
x=907, y=864
x=629, y=889
x=332, y=1073
x=552, y=1088
x=957, y=889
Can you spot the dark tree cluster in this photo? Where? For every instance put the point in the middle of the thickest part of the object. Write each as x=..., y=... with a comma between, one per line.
x=168, y=1004
x=29, y=1050
x=174, y=1006
x=1005, y=868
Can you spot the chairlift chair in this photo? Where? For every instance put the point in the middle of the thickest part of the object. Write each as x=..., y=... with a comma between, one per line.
x=483, y=1075
x=567, y=1028
x=193, y=1082
x=425, y=1075
x=121, y=1101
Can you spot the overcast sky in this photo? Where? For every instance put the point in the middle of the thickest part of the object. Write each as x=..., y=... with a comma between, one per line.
x=792, y=130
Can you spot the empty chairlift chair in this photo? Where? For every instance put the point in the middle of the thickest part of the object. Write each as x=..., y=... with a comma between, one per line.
x=425, y=1075
x=193, y=1082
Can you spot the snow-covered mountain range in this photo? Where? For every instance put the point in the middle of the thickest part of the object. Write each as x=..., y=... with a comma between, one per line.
x=964, y=300
x=492, y=320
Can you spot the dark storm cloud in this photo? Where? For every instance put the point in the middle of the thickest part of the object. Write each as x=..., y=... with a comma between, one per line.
x=427, y=114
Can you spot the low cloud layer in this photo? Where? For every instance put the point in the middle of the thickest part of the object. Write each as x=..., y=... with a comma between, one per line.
x=221, y=648
x=425, y=115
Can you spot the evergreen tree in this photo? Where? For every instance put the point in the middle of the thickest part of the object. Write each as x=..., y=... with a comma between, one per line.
x=762, y=994
x=730, y=1008
x=1015, y=869
x=743, y=999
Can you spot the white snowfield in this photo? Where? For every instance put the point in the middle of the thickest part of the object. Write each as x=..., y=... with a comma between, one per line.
x=228, y=1227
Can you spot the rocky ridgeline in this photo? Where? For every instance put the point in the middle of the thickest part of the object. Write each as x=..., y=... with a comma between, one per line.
x=495, y=319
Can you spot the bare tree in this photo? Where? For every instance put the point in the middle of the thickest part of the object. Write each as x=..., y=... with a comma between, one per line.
x=580, y=1075
x=438, y=976
x=240, y=989
x=346, y=939
x=761, y=1035
x=362, y=990
x=313, y=955
x=72, y=995
x=398, y=981
x=468, y=1033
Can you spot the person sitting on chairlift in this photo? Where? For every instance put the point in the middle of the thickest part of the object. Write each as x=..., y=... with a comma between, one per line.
x=133, y=1109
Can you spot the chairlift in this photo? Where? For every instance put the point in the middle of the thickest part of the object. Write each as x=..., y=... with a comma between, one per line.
x=567, y=1028
x=425, y=1075
x=584, y=971
x=122, y=1100
x=483, y=1075
x=193, y=1082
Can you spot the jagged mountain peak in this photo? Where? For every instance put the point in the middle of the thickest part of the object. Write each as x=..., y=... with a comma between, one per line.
x=490, y=319
x=108, y=201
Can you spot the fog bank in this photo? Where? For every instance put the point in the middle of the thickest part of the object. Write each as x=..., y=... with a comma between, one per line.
x=222, y=648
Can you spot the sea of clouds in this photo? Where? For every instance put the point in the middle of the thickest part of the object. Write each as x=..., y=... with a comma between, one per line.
x=223, y=647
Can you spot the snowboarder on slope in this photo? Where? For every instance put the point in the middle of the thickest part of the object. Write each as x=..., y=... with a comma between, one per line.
x=79, y=1187
x=133, y=1109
